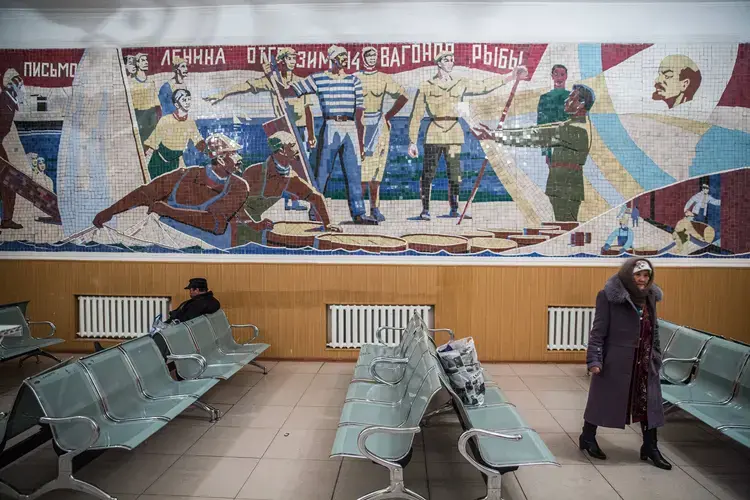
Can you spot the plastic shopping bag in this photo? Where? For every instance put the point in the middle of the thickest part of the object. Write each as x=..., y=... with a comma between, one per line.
x=461, y=364
x=158, y=325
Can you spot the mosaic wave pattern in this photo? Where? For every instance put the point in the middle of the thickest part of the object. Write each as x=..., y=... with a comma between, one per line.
x=474, y=150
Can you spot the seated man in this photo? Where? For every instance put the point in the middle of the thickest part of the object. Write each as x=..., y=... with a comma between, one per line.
x=202, y=301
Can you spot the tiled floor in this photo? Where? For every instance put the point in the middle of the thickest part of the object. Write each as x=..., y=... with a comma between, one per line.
x=275, y=439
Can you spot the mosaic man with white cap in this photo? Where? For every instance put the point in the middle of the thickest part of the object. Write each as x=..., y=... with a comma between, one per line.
x=342, y=134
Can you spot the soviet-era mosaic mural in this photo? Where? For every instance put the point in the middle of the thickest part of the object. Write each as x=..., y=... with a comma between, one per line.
x=486, y=150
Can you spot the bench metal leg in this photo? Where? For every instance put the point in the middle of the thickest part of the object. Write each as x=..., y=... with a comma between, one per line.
x=446, y=408
x=213, y=413
x=66, y=481
x=395, y=490
x=494, y=488
x=36, y=354
x=258, y=365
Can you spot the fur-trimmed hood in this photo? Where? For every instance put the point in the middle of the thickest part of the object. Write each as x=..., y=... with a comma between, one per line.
x=616, y=291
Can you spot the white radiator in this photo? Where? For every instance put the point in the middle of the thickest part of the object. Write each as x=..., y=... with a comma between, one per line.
x=350, y=326
x=568, y=328
x=118, y=317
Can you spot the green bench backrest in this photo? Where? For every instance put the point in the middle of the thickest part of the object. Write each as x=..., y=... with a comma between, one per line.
x=743, y=396
x=686, y=343
x=13, y=316
x=667, y=330
x=148, y=363
x=115, y=381
x=179, y=341
x=720, y=364
x=203, y=337
x=220, y=325
x=427, y=390
x=67, y=392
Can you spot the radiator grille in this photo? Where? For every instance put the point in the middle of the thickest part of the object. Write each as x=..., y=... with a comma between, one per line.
x=118, y=317
x=350, y=326
x=568, y=328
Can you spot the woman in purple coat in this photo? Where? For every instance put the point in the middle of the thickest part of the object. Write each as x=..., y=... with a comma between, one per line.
x=624, y=358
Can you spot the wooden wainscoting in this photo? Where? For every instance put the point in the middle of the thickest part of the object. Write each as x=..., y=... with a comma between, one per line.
x=503, y=308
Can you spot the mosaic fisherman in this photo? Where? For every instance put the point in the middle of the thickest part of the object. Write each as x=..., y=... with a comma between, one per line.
x=375, y=86
x=570, y=143
x=172, y=136
x=198, y=201
x=268, y=180
x=300, y=108
x=439, y=97
x=144, y=96
x=166, y=92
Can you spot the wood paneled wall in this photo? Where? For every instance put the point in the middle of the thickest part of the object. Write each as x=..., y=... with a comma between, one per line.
x=503, y=308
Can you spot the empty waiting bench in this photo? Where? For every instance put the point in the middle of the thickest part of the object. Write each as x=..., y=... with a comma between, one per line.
x=25, y=345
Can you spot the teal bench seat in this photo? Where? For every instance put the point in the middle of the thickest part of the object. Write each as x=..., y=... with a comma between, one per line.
x=717, y=371
x=26, y=345
x=190, y=363
x=223, y=332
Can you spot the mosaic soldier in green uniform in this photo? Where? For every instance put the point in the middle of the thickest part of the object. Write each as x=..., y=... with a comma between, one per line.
x=551, y=107
x=570, y=142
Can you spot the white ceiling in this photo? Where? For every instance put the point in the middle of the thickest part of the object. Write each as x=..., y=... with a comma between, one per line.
x=116, y=4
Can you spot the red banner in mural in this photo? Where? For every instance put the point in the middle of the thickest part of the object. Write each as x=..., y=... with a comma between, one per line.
x=392, y=58
x=42, y=68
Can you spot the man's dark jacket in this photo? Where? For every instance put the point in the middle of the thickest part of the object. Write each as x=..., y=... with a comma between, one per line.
x=204, y=303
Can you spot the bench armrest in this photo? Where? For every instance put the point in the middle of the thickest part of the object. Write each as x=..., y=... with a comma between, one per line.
x=55, y=423
x=450, y=332
x=382, y=328
x=194, y=357
x=675, y=360
x=464, y=440
x=256, y=332
x=392, y=361
x=733, y=426
x=369, y=431
x=51, y=325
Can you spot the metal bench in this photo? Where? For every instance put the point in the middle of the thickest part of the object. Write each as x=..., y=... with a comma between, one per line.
x=223, y=332
x=80, y=423
x=188, y=360
x=717, y=371
x=384, y=431
x=154, y=380
x=496, y=439
x=733, y=417
x=25, y=345
x=683, y=343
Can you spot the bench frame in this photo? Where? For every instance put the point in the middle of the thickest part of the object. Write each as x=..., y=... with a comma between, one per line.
x=396, y=488
x=33, y=351
x=256, y=333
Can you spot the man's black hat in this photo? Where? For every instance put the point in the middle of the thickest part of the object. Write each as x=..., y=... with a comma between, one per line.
x=199, y=283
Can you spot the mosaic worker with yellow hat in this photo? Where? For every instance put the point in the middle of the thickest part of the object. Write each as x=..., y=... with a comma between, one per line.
x=439, y=98
x=198, y=201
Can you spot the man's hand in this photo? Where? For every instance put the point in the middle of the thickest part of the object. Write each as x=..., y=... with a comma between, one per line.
x=333, y=228
x=213, y=99
x=266, y=65
x=362, y=150
x=388, y=121
x=595, y=370
x=413, y=150
x=102, y=218
x=688, y=213
x=482, y=132
x=312, y=142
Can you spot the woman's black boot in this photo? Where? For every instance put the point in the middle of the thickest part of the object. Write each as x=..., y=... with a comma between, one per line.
x=649, y=450
x=587, y=442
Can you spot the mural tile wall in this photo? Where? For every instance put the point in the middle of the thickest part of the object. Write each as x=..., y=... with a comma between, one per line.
x=479, y=150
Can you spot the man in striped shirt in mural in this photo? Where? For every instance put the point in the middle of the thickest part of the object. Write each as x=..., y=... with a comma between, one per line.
x=342, y=135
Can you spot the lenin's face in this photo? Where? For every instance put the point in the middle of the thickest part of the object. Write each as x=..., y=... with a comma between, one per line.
x=671, y=84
